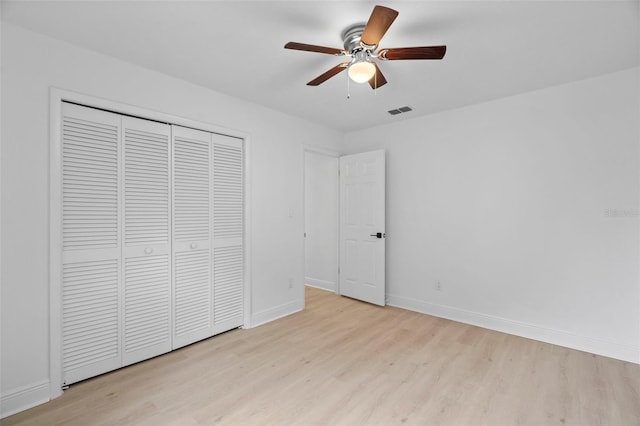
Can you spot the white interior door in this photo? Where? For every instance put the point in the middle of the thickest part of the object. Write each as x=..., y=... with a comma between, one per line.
x=147, y=238
x=192, y=235
x=91, y=250
x=362, y=226
x=228, y=232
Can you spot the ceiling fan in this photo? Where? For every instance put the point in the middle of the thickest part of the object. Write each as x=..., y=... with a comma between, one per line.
x=360, y=44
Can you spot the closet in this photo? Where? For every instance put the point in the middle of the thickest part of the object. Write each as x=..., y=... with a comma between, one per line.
x=152, y=238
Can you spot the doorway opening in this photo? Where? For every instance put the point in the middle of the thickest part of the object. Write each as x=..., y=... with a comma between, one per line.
x=321, y=218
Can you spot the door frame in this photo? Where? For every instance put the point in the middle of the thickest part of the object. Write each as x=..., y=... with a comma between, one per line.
x=336, y=155
x=56, y=97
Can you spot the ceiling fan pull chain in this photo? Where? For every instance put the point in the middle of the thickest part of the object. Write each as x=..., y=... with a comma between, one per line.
x=348, y=87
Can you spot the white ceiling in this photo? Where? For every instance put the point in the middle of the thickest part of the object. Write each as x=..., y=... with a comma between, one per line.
x=494, y=48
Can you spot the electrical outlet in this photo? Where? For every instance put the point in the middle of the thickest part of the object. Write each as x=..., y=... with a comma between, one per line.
x=290, y=282
x=437, y=285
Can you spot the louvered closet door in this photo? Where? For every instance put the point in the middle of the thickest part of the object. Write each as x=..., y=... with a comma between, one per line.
x=147, y=240
x=191, y=235
x=91, y=242
x=227, y=233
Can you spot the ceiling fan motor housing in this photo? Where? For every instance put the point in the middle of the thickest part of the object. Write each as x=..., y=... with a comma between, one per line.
x=351, y=38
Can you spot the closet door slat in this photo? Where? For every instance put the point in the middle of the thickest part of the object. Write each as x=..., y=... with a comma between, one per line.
x=146, y=180
x=191, y=186
x=227, y=189
x=228, y=280
x=89, y=184
x=147, y=307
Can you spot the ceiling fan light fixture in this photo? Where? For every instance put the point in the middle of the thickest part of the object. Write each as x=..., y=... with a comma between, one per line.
x=361, y=43
x=361, y=72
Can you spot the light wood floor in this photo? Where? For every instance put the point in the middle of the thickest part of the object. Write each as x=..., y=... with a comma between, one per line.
x=345, y=362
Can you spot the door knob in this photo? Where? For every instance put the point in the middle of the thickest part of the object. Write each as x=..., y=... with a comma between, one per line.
x=378, y=235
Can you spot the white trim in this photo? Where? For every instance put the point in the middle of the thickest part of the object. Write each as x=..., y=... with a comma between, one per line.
x=55, y=245
x=248, y=289
x=272, y=314
x=122, y=108
x=319, y=288
x=303, y=259
x=322, y=151
x=321, y=284
x=23, y=398
x=57, y=96
x=602, y=347
x=638, y=241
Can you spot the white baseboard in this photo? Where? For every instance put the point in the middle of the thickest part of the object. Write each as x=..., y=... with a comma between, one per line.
x=324, y=285
x=602, y=347
x=23, y=398
x=268, y=315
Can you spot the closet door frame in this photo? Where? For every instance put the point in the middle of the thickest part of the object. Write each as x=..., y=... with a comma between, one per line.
x=56, y=97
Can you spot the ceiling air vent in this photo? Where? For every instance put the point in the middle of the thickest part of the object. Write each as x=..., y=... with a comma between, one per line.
x=399, y=110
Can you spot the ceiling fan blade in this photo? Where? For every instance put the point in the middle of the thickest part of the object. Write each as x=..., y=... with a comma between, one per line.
x=379, y=22
x=422, y=52
x=327, y=75
x=378, y=79
x=313, y=48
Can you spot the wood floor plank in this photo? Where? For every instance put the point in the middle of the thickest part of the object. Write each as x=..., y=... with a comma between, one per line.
x=344, y=362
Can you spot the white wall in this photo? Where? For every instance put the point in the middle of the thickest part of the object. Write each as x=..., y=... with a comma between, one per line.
x=525, y=209
x=321, y=220
x=31, y=65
